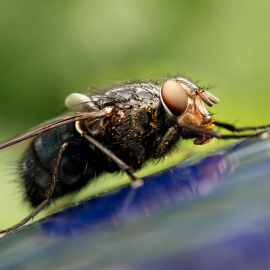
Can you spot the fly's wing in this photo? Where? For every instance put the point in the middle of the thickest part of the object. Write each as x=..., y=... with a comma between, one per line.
x=56, y=122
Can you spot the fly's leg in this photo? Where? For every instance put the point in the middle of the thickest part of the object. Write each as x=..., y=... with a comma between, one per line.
x=215, y=134
x=170, y=137
x=232, y=128
x=204, y=136
x=49, y=195
x=121, y=164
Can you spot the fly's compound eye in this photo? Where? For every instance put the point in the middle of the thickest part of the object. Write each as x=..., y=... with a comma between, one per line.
x=174, y=98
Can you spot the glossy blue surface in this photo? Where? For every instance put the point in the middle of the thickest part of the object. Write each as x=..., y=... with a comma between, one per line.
x=159, y=192
x=210, y=212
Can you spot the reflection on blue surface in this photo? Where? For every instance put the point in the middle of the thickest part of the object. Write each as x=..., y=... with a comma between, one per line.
x=210, y=212
x=247, y=252
x=161, y=191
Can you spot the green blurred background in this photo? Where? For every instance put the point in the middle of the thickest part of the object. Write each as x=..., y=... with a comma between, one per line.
x=49, y=49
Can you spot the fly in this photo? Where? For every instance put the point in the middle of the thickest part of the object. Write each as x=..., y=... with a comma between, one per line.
x=118, y=129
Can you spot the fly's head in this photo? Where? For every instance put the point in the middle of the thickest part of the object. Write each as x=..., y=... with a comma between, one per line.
x=185, y=102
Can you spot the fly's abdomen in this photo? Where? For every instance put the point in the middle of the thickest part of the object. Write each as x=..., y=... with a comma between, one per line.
x=38, y=164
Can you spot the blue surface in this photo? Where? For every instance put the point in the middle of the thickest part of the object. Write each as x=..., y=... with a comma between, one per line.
x=210, y=212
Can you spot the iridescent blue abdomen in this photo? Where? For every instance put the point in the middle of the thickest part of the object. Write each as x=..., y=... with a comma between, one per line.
x=79, y=163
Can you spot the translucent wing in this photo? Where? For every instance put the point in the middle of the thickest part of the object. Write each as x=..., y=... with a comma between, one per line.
x=80, y=103
x=56, y=122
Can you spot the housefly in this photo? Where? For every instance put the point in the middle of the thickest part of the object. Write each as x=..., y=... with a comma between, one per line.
x=117, y=129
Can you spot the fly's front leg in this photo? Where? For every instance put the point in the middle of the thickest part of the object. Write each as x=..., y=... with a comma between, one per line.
x=120, y=163
x=169, y=138
x=218, y=135
x=233, y=128
x=49, y=195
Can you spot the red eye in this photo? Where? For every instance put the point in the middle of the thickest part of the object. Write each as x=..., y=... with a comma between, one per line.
x=174, y=97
